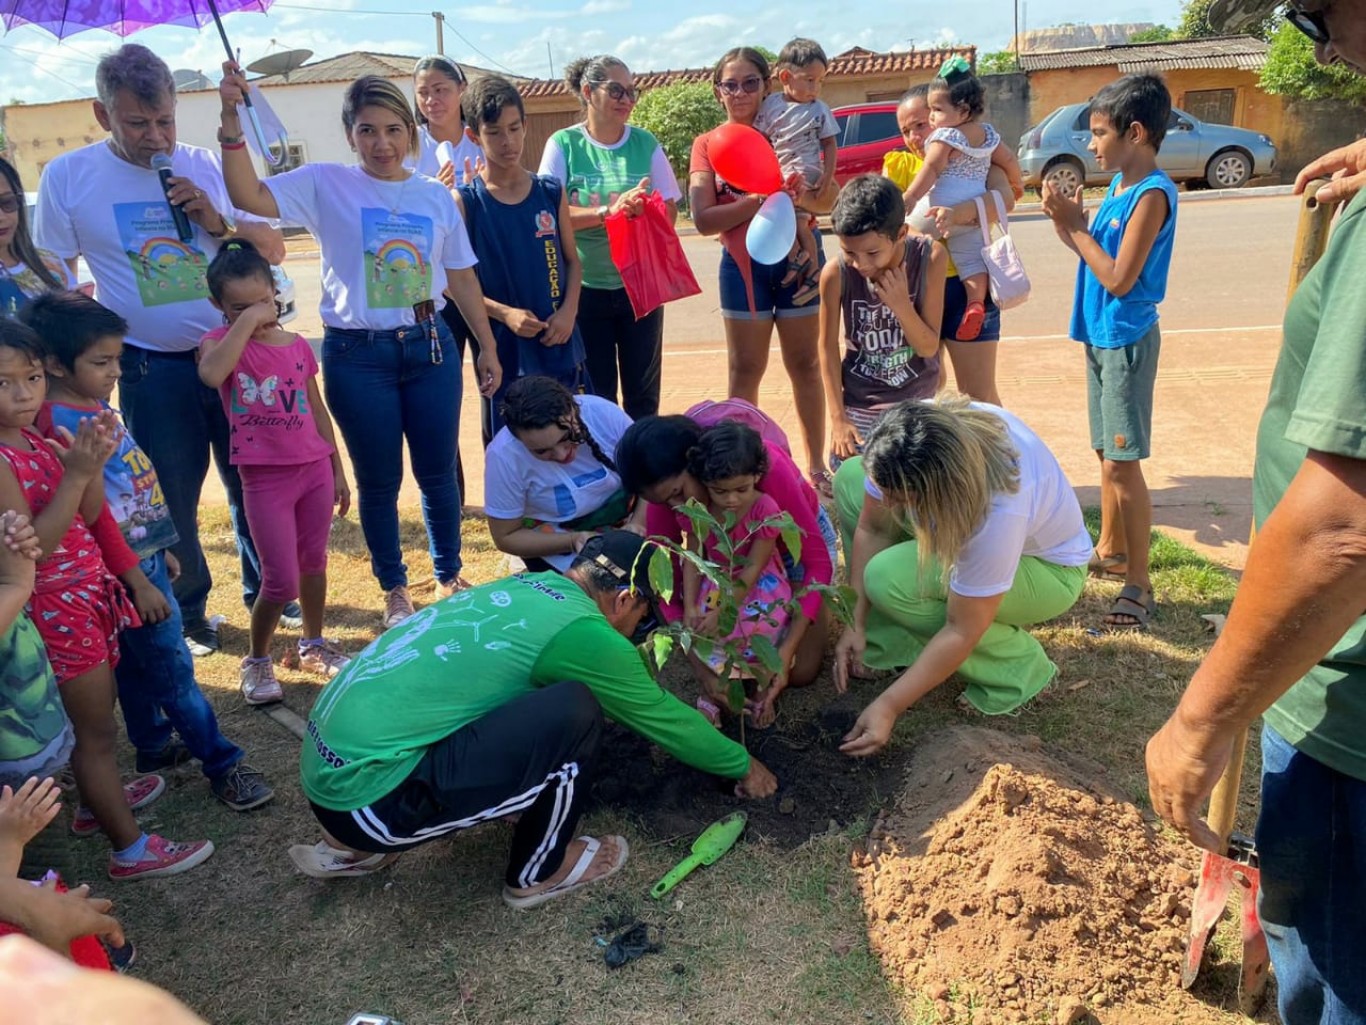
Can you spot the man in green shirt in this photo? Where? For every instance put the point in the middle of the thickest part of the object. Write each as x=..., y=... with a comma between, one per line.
x=1294, y=646
x=489, y=704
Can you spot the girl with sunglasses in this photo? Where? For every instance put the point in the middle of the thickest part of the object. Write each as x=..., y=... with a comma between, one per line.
x=25, y=270
x=606, y=166
x=754, y=296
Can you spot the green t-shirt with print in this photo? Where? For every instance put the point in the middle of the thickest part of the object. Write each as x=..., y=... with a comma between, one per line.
x=461, y=658
x=1318, y=402
x=597, y=175
x=31, y=712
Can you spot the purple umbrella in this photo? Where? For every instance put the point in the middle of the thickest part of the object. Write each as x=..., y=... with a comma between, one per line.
x=124, y=17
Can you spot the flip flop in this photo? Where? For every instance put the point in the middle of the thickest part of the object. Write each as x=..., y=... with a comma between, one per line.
x=1104, y=566
x=1130, y=603
x=575, y=879
x=323, y=861
x=823, y=483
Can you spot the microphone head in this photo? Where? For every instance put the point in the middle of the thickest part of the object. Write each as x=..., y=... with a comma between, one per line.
x=161, y=162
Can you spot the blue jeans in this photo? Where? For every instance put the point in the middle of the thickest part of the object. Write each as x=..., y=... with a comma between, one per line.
x=383, y=387
x=158, y=691
x=1311, y=838
x=177, y=421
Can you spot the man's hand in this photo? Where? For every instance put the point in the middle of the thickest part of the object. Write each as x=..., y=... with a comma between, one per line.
x=1068, y=213
x=1346, y=166
x=871, y=730
x=758, y=782
x=844, y=437
x=1184, y=764
x=197, y=206
x=558, y=327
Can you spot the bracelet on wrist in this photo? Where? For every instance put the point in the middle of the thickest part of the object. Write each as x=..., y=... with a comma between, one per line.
x=234, y=145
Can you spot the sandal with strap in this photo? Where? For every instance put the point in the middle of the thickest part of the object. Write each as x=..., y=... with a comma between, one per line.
x=971, y=325
x=1130, y=602
x=323, y=861
x=1107, y=567
x=824, y=484
x=575, y=879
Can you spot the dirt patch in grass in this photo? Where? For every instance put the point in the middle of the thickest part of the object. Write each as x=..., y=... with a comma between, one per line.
x=1008, y=880
x=820, y=790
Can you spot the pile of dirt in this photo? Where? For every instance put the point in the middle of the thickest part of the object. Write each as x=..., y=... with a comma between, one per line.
x=1008, y=886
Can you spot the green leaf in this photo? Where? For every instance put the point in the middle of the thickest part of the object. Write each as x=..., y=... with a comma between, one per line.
x=664, y=646
x=767, y=654
x=703, y=647
x=662, y=573
x=735, y=693
x=703, y=523
x=792, y=541
x=727, y=616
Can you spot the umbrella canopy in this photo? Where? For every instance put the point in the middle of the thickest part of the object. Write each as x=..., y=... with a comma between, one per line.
x=124, y=17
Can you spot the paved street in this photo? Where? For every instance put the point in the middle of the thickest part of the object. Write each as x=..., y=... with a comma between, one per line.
x=1221, y=329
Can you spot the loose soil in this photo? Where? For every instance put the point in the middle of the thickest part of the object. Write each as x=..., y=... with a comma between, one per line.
x=1008, y=886
x=819, y=789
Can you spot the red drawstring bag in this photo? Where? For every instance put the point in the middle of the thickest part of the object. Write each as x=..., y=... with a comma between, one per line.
x=649, y=257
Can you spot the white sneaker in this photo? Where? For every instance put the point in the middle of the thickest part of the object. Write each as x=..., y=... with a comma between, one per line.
x=324, y=658
x=397, y=606
x=259, y=686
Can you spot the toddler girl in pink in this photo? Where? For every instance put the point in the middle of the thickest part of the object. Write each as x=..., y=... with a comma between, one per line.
x=283, y=446
x=729, y=460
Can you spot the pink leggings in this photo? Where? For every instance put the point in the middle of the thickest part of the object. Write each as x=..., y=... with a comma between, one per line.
x=289, y=511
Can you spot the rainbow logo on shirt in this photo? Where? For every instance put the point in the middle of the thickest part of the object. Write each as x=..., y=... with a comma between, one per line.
x=397, y=258
x=399, y=254
x=165, y=269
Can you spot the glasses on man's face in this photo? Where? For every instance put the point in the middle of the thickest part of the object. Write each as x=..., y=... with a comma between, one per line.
x=1311, y=23
x=733, y=88
x=9, y=202
x=619, y=92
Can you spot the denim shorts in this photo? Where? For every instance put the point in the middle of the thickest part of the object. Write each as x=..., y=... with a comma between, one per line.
x=772, y=299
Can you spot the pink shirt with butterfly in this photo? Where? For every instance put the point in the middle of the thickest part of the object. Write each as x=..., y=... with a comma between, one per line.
x=266, y=398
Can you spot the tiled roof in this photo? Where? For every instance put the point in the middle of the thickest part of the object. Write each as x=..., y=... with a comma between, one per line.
x=1246, y=53
x=347, y=67
x=857, y=61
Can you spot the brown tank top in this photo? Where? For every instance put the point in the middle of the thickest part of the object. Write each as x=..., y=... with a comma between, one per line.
x=880, y=368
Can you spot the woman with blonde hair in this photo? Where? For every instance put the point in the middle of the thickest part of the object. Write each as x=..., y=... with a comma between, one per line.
x=961, y=530
x=393, y=247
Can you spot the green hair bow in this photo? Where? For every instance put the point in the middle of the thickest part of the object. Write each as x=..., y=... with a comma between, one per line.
x=955, y=67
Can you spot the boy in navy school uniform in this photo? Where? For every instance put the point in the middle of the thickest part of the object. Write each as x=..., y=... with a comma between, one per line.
x=1125, y=255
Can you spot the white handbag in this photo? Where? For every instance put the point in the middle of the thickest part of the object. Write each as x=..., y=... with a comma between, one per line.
x=1005, y=269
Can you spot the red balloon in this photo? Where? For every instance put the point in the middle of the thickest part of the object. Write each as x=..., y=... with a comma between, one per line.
x=742, y=156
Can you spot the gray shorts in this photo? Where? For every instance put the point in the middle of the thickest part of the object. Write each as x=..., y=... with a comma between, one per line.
x=1119, y=397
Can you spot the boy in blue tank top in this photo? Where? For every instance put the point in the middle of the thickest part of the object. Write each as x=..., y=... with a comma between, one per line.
x=1125, y=255
x=528, y=267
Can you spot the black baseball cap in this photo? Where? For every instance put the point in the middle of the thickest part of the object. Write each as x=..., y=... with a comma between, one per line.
x=1239, y=15
x=623, y=554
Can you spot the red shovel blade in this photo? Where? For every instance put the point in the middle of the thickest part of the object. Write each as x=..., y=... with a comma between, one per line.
x=1256, y=957
x=1211, y=897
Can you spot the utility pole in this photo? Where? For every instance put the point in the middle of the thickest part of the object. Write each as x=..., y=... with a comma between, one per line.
x=550, y=59
x=1017, y=35
x=440, y=24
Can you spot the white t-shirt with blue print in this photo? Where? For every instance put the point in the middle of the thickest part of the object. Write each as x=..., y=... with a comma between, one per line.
x=517, y=485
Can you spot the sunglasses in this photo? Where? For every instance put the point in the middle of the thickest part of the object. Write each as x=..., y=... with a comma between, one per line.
x=1311, y=23
x=9, y=203
x=733, y=88
x=619, y=92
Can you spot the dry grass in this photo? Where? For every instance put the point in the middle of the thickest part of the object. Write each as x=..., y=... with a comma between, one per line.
x=764, y=936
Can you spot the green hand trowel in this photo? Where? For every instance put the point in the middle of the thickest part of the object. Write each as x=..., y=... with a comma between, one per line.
x=715, y=840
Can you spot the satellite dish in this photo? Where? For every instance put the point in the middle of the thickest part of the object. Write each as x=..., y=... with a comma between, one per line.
x=281, y=63
x=190, y=78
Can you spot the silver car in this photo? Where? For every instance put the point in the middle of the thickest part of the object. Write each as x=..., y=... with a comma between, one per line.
x=1193, y=151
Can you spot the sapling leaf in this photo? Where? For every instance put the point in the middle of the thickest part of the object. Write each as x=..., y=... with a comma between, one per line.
x=766, y=652
x=664, y=646
x=727, y=616
x=735, y=692
x=662, y=574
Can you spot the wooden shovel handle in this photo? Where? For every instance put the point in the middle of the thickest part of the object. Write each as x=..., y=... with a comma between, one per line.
x=1311, y=235
x=1223, y=803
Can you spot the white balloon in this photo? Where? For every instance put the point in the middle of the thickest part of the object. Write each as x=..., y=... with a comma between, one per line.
x=773, y=230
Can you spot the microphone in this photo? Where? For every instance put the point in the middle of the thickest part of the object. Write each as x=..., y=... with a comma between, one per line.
x=161, y=164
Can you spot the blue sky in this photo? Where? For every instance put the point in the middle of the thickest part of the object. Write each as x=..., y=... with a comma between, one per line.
x=513, y=34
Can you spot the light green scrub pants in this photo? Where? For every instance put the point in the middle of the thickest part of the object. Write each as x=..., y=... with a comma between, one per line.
x=906, y=609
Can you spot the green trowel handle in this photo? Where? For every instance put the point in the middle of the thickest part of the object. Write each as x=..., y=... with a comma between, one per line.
x=676, y=875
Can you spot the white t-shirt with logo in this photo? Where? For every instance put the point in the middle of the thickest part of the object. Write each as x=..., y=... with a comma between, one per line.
x=429, y=163
x=517, y=485
x=1043, y=519
x=93, y=203
x=385, y=244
